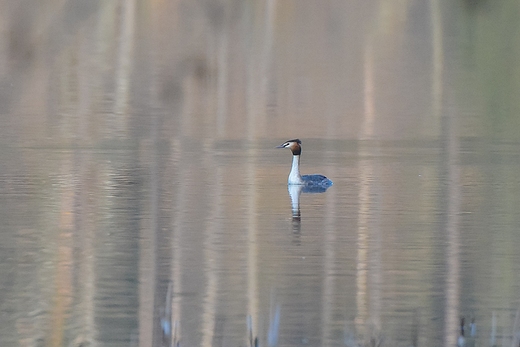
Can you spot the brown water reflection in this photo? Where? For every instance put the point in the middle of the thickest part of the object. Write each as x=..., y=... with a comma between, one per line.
x=139, y=181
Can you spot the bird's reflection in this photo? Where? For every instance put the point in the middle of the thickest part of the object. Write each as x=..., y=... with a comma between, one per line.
x=295, y=191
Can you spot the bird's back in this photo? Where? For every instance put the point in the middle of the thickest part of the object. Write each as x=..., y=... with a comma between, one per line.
x=316, y=180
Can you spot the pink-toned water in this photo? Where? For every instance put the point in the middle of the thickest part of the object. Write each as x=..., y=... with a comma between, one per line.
x=137, y=154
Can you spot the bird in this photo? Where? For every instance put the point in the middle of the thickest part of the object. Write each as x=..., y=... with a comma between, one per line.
x=309, y=181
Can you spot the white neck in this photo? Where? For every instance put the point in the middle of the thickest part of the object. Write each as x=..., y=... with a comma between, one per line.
x=294, y=176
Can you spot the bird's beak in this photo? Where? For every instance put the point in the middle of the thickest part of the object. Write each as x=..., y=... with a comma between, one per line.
x=281, y=146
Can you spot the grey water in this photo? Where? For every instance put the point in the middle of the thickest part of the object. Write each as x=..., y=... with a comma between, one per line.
x=143, y=202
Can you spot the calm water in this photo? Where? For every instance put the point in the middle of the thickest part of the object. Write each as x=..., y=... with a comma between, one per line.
x=140, y=188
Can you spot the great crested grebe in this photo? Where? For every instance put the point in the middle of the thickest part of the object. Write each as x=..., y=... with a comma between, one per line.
x=295, y=177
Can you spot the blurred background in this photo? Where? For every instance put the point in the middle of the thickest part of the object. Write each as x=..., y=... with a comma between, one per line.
x=143, y=203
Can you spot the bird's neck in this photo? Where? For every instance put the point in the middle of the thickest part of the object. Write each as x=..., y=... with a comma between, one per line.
x=294, y=176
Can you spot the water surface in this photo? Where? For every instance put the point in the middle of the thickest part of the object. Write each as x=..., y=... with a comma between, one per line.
x=140, y=189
